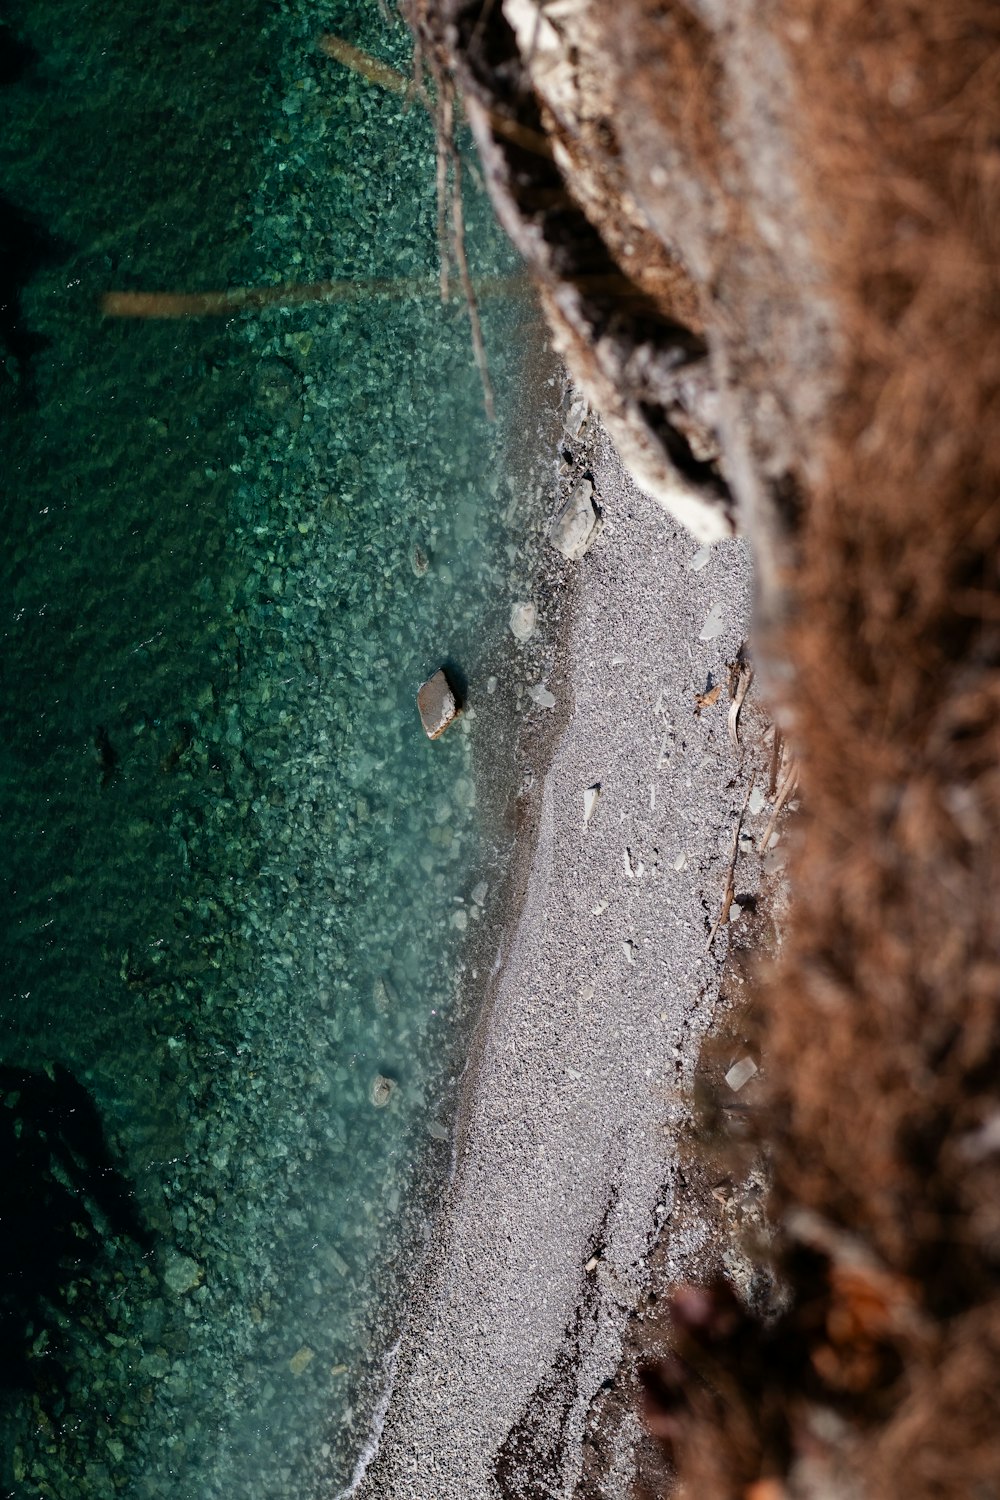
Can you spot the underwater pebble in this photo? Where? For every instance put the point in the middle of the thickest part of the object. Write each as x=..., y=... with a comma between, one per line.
x=301, y=1360
x=180, y=1273
x=381, y=1090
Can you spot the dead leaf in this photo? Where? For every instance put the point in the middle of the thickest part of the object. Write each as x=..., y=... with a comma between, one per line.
x=705, y=700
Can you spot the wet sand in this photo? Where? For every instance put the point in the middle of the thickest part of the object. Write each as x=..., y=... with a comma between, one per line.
x=566, y=1163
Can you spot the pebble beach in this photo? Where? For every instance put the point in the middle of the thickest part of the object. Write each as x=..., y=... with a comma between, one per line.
x=581, y=1077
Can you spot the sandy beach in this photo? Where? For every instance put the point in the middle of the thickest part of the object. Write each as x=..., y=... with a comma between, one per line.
x=567, y=1166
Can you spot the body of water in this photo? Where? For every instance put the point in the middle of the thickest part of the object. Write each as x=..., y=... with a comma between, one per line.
x=238, y=879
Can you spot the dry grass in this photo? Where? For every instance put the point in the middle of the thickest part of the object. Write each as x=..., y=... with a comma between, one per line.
x=881, y=1024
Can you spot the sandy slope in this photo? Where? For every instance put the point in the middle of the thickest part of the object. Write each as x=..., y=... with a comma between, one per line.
x=590, y=1044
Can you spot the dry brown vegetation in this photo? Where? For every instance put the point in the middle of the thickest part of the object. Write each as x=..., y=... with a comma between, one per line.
x=825, y=179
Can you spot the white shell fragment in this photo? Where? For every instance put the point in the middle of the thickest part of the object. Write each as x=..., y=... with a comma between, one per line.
x=590, y=799
x=757, y=801
x=740, y=1073
x=715, y=623
x=700, y=560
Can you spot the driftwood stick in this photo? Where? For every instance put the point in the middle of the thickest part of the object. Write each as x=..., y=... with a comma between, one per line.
x=235, y=299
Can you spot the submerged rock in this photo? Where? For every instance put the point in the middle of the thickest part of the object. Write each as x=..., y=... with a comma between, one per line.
x=438, y=705
x=181, y=1274
x=577, y=524
x=301, y=1359
x=382, y=1090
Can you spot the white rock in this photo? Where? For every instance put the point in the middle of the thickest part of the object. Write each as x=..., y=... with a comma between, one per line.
x=523, y=619
x=700, y=559
x=740, y=1073
x=757, y=801
x=590, y=800
x=715, y=623
x=479, y=893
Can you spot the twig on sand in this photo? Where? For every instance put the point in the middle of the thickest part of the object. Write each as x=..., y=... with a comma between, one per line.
x=742, y=688
x=785, y=791
x=730, y=893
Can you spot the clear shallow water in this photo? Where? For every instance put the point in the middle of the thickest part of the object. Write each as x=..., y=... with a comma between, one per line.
x=238, y=877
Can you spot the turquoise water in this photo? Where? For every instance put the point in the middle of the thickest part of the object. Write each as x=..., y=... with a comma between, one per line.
x=239, y=878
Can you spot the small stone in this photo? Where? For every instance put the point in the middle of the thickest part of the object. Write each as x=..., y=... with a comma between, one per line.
x=381, y=1090
x=715, y=624
x=460, y=920
x=680, y=861
x=576, y=417
x=700, y=559
x=577, y=524
x=740, y=1073
x=383, y=995
x=437, y=1131
x=540, y=694
x=523, y=620
x=301, y=1360
x=479, y=892
x=437, y=704
x=419, y=561
x=338, y=1370
x=590, y=800
x=491, y=685
x=757, y=801
x=181, y=1274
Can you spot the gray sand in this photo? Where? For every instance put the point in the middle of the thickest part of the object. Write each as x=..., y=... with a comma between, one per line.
x=588, y=1054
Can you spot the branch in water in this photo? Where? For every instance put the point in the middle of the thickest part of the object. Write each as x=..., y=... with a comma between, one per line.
x=235, y=299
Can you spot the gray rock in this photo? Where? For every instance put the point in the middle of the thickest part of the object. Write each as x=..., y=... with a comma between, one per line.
x=577, y=524
x=437, y=704
x=540, y=694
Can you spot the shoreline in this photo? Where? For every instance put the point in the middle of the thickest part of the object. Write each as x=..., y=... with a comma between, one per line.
x=581, y=1063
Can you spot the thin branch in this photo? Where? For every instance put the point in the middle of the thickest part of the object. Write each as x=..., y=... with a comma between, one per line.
x=730, y=892
x=237, y=299
x=785, y=792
